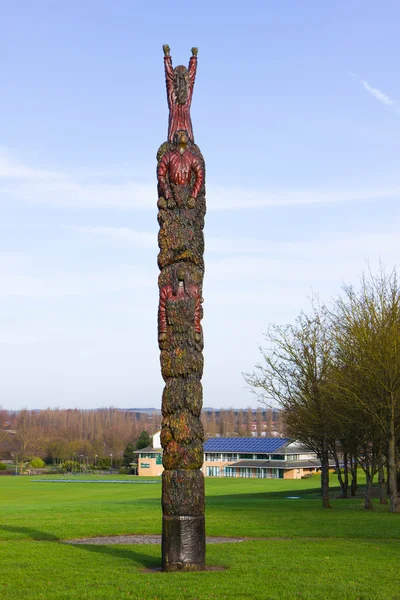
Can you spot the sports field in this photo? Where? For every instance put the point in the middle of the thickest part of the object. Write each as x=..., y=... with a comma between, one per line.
x=294, y=550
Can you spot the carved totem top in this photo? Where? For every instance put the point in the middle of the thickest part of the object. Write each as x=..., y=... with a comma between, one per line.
x=180, y=82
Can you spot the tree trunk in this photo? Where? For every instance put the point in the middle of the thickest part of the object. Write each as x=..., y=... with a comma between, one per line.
x=343, y=479
x=392, y=475
x=353, y=469
x=368, y=491
x=387, y=478
x=325, y=476
x=382, y=486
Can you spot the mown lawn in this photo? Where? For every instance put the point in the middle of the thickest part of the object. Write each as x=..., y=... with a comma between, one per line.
x=310, y=553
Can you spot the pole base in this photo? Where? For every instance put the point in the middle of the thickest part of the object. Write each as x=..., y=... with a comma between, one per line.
x=183, y=543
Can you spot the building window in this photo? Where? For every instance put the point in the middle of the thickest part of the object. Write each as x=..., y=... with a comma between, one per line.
x=212, y=457
x=148, y=455
x=245, y=456
x=262, y=456
x=277, y=457
x=212, y=471
x=227, y=457
x=245, y=472
x=229, y=472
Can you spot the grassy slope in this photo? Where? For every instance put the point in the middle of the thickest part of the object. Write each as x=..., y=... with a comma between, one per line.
x=345, y=553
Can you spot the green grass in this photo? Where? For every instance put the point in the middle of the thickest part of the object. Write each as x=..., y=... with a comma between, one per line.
x=344, y=553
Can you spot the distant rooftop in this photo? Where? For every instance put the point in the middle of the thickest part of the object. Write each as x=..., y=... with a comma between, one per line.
x=245, y=444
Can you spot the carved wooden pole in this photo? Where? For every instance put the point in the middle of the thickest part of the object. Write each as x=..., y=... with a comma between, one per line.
x=182, y=207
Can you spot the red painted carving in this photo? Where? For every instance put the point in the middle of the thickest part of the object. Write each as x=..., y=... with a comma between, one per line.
x=182, y=207
x=180, y=82
x=170, y=293
x=179, y=164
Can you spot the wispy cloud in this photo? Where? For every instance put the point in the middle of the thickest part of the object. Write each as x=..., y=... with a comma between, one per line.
x=375, y=92
x=105, y=189
x=20, y=277
x=378, y=94
x=333, y=251
x=140, y=239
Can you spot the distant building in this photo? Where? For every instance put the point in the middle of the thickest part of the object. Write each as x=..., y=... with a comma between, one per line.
x=150, y=458
x=265, y=458
x=261, y=457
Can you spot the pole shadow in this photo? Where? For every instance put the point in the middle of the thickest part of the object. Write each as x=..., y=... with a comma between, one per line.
x=140, y=558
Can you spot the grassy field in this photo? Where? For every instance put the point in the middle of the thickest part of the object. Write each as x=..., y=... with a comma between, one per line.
x=300, y=551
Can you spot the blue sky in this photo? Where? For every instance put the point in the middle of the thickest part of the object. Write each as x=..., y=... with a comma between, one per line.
x=297, y=111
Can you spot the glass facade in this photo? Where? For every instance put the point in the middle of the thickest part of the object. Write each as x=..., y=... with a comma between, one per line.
x=150, y=455
x=212, y=472
x=229, y=472
x=251, y=470
x=212, y=457
x=228, y=457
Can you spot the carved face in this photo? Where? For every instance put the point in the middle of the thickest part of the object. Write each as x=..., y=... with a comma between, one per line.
x=179, y=277
x=181, y=137
x=181, y=84
x=181, y=274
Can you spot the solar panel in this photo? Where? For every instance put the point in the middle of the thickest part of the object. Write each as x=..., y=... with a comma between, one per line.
x=259, y=445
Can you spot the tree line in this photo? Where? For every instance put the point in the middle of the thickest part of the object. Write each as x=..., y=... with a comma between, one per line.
x=56, y=435
x=336, y=373
x=100, y=437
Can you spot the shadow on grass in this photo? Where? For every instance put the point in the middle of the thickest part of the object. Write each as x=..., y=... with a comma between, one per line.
x=308, y=494
x=145, y=560
x=34, y=534
x=140, y=558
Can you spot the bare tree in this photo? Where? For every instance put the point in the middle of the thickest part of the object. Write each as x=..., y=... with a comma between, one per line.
x=241, y=430
x=293, y=373
x=366, y=326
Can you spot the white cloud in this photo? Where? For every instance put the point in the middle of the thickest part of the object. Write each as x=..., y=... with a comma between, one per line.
x=332, y=249
x=102, y=190
x=378, y=94
x=140, y=239
x=304, y=265
x=11, y=168
x=375, y=92
x=79, y=283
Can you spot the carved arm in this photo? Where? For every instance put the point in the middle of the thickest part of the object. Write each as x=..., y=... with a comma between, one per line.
x=162, y=172
x=198, y=171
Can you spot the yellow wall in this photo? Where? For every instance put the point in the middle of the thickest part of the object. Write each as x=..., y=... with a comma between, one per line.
x=148, y=467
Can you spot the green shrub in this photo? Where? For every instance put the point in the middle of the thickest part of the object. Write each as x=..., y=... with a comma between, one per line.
x=37, y=463
x=71, y=466
x=3, y=467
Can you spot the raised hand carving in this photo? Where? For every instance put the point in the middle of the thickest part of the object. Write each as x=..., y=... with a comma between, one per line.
x=180, y=83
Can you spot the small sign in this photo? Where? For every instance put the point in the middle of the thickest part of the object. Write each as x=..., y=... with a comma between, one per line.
x=145, y=465
x=159, y=459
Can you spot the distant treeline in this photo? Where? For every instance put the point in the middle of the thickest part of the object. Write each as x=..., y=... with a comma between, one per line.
x=57, y=435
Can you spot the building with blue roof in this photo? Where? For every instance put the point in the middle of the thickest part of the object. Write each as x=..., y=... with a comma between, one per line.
x=266, y=458
x=261, y=457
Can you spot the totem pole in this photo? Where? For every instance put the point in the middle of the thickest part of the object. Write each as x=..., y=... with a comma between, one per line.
x=182, y=207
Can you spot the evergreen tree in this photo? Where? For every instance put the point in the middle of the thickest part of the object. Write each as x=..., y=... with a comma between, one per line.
x=143, y=441
x=129, y=456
